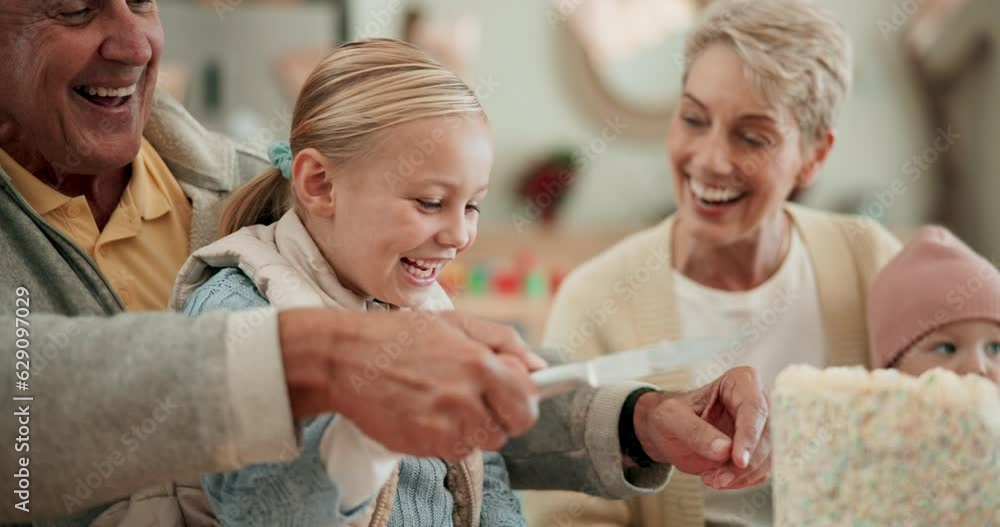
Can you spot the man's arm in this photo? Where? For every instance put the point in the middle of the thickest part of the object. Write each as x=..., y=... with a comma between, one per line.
x=124, y=402
x=140, y=398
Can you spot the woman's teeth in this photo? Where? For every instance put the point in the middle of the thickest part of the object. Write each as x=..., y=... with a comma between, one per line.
x=421, y=268
x=714, y=195
x=101, y=91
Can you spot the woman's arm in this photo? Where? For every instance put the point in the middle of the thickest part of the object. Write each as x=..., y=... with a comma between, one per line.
x=575, y=445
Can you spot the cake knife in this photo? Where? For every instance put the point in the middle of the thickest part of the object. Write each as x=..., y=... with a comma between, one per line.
x=628, y=365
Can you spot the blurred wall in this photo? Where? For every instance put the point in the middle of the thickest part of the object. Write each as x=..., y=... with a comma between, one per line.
x=231, y=48
x=531, y=92
x=533, y=109
x=974, y=104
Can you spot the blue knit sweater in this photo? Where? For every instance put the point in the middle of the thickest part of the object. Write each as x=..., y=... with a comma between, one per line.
x=300, y=493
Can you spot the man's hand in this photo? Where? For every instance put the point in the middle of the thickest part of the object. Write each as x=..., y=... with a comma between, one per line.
x=422, y=384
x=719, y=432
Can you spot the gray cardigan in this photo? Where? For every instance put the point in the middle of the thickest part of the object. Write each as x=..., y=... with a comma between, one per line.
x=98, y=373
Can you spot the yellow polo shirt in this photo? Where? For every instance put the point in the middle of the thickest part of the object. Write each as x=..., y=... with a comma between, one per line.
x=144, y=243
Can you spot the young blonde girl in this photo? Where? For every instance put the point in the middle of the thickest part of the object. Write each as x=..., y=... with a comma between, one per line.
x=936, y=305
x=379, y=189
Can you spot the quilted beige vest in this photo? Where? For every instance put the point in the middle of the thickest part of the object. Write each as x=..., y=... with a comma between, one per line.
x=289, y=270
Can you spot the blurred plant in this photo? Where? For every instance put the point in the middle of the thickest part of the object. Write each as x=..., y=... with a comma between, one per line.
x=547, y=183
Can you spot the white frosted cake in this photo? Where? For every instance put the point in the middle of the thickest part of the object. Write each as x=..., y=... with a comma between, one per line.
x=882, y=449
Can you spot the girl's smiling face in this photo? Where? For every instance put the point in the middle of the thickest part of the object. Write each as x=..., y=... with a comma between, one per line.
x=963, y=347
x=396, y=217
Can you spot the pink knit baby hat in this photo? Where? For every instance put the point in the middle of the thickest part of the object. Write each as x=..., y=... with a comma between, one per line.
x=934, y=281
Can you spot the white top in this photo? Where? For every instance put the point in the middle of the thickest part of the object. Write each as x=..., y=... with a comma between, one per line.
x=773, y=326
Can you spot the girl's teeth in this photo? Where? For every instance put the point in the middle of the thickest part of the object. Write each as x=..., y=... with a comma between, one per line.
x=416, y=271
x=426, y=264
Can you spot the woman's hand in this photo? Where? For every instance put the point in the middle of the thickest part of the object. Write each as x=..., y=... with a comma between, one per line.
x=719, y=432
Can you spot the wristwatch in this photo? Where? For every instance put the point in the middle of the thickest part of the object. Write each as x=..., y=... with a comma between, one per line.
x=629, y=443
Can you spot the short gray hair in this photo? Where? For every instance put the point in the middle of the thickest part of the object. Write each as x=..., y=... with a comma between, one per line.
x=798, y=56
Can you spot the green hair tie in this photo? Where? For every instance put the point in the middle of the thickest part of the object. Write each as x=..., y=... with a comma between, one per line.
x=281, y=157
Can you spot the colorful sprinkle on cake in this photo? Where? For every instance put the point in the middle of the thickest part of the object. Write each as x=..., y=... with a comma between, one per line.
x=856, y=448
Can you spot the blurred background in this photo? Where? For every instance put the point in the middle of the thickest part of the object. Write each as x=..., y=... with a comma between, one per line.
x=580, y=92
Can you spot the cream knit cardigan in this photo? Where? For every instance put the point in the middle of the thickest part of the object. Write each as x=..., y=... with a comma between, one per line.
x=625, y=298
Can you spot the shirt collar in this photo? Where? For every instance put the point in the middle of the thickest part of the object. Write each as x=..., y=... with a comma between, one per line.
x=43, y=198
x=147, y=190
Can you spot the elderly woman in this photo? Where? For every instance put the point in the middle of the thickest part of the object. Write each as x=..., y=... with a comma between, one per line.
x=761, y=90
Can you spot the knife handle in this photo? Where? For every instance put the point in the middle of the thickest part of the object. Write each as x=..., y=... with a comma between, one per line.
x=561, y=379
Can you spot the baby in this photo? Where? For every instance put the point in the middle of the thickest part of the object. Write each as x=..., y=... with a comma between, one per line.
x=936, y=305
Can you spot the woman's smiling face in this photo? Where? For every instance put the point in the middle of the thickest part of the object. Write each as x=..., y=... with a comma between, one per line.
x=735, y=158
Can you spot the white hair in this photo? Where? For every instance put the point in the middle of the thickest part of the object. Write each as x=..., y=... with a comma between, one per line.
x=797, y=55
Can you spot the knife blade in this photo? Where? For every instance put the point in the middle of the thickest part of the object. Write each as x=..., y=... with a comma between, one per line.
x=628, y=365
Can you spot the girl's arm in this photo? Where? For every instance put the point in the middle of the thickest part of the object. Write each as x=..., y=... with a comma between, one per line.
x=298, y=492
x=501, y=508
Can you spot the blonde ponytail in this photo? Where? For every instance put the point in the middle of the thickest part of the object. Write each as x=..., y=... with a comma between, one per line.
x=262, y=201
x=361, y=90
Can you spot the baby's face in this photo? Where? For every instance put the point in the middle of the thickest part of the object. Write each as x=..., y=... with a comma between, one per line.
x=408, y=209
x=963, y=347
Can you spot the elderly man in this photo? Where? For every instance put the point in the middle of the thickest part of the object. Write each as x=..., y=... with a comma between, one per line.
x=106, y=187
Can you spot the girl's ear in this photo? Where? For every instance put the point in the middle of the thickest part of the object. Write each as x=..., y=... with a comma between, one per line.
x=312, y=179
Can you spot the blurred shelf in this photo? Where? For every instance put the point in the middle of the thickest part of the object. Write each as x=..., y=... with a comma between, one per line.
x=528, y=315
x=548, y=250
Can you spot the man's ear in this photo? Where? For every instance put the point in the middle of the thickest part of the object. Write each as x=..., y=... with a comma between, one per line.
x=817, y=152
x=313, y=182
